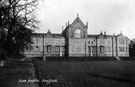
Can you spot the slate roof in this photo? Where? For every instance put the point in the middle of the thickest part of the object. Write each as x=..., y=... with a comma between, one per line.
x=53, y=35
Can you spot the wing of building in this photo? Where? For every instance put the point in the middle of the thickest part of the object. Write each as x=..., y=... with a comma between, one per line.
x=75, y=41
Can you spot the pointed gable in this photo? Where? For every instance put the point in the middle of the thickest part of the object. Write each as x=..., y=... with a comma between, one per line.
x=120, y=35
x=49, y=34
x=101, y=35
x=78, y=20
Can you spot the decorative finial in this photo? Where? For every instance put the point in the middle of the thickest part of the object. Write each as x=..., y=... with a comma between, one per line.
x=77, y=15
x=68, y=22
x=48, y=29
x=86, y=24
x=101, y=32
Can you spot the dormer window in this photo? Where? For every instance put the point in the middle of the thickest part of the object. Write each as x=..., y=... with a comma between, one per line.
x=77, y=33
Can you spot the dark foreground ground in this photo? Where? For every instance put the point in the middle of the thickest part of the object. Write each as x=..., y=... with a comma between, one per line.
x=68, y=73
x=17, y=74
x=86, y=73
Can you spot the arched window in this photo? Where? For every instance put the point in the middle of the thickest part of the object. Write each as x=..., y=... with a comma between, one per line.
x=71, y=34
x=77, y=33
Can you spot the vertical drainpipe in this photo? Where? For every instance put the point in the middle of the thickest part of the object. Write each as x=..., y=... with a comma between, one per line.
x=85, y=47
x=96, y=47
x=43, y=45
x=112, y=48
x=116, y=47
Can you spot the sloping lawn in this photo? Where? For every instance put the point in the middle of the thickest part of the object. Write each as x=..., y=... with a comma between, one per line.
x=87, y=73
x=13, y=71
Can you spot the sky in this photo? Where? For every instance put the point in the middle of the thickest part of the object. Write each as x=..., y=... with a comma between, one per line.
x=110, y=16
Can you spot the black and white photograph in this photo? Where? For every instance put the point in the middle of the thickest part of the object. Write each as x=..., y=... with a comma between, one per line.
x=67, y=43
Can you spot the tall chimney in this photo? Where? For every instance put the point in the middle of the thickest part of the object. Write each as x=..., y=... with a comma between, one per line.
x=68, y=22
x=104, y=33
x=86, y=24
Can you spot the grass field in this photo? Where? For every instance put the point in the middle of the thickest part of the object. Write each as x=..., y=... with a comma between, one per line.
x=87, y=73
x=13, y=71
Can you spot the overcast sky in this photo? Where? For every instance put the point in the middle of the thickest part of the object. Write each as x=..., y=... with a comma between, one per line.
x=112, y=16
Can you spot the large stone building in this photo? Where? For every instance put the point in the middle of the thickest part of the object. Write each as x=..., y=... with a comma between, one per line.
x=75, y=41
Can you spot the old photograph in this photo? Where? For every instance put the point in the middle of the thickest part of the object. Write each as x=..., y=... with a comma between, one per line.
x=67, y=43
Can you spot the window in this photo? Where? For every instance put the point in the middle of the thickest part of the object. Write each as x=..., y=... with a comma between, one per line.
x=57, y=48
x=83, y=34
x=121, y=41
x=101, y=49
x=77, y=33
x=88, y=42
x=121, y=49
x=71, y=34
x=109, y=49
x=49, y=49
x=36, y=46
x=91, y=42
x=89, y=50
x=93, y=48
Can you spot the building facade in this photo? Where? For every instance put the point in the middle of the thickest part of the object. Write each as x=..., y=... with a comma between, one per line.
x=75, y=41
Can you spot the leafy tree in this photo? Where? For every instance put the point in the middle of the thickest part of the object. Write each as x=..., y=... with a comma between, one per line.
x=17, y=22
x=132, y=49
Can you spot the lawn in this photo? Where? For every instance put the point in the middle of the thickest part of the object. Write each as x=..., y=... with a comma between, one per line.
x=15, y=70
x=86, y=73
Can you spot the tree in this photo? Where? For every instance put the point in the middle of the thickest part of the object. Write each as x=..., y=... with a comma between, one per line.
x=17, y=22
x=132, y=48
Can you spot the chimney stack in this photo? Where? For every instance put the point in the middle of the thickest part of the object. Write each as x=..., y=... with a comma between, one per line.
x=68, y=22
x=87, y=24
x=104, y=33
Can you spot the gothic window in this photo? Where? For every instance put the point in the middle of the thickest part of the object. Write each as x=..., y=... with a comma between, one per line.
x=88, y=42
x=91, y=42
x=127, y=49
x=49, y=49
x=93, y=48
x=109, y=49
x=77, y=33
x=121, y=49
x=101, y=49
x=121, y=41
x=89, y=49
x=83, y=34
x=71, y=34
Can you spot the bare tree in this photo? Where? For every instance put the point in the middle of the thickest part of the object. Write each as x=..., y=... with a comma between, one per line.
x=17, y=22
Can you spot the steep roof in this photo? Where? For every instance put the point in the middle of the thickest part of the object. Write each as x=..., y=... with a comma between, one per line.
x=92, y=35
x=78, y=20
x=46, y=35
